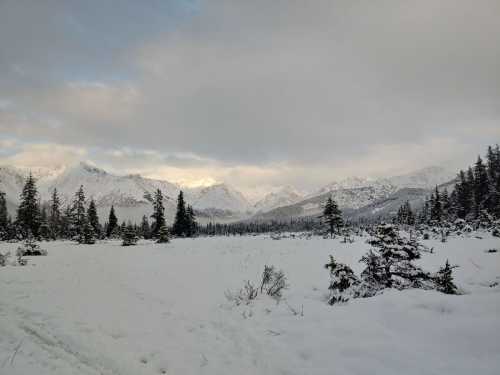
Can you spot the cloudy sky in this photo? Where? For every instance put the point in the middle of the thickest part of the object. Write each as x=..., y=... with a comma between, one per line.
x=255, y=93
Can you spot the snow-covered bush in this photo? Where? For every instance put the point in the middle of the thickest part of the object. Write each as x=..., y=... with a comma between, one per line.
x=273, y=282
x=3, y=259
x=30, y=248
x=343, y=282
x=244, y=296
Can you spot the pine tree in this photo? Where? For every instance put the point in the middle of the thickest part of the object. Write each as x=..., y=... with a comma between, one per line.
x=394, y=266
x=4, y=217
x=481, y=187
x=78, y=212
x=112, y=223
x=145, y=228
x=93, y=218
x=44, y=229
x=191, y=221
x=129, y=236
x=55, y=216
x=163, y=235
x=436, y=206
x=444, y=279
x=87, y=235
x=332, y=217
x=158, y=213
x=180, y=227
x=28, y=212
x=343, y=282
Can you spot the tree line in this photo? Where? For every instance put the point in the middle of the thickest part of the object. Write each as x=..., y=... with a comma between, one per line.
x=79, y=219
x=476, y=196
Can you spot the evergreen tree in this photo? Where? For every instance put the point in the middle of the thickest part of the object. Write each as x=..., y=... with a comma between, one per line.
x=394, y=267
x=87, y=235
x=145, y=228
x=4, y=217
x=112, y=223
x=191, y=221
x=129, y=236
x=55, y=216
x=405, y=214
x=93, y=218
x=28, y=212
x=444, y=279
x=343, y=282
x=181, y=225
x=158, y=213
x=78, y=212
x=44, y=229
x=163, y=235
x=481, y=186
x=436, y=206
x=332, y=217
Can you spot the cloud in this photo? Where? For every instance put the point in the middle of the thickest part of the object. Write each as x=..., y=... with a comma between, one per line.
x=44, y=155
x=255, y=92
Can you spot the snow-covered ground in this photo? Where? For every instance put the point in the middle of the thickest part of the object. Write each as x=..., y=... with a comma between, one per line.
x=153, y=309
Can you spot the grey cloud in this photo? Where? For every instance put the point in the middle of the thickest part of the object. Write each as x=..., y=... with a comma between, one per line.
x=314, y=85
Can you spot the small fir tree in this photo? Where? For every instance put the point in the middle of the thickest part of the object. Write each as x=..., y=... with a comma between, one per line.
x=163, y=235
x=444, y=279
x=129, y=236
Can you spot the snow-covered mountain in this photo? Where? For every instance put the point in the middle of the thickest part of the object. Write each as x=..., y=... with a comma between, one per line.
x=220, y=196
x=365, y=196
x=282, y=197
x=129, y=194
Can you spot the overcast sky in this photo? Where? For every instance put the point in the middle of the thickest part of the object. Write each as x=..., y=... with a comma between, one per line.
x=256, y=93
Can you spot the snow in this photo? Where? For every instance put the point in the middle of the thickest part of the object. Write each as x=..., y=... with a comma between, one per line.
x=152, y=309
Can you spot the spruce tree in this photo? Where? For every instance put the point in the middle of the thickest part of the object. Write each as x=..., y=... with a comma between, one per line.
x=4, y=217
x=87, y=235
x=180, y=227
x=145, y=228
x=79, y=216
x=55, y=215
x=93, y=218
x=158, y=213
x=129, y=235
x=332, y=217
x=394, y=267
x=44, y=229
x=481, y=186
x=191, y=221
x=163, y=235
x=28, y=212
x=112, y=223
x=343, y=282
x=444, y=279
x=436, y=206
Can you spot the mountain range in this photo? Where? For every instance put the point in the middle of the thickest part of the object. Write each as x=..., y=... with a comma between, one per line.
x=131, y=194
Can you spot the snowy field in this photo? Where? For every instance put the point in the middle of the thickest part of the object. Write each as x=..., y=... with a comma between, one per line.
x=161, y=309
